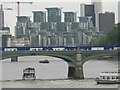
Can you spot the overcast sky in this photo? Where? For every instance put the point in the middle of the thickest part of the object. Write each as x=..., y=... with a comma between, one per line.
x=67, y=5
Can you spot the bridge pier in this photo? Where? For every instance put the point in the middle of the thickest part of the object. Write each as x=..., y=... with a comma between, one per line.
x=77, y=71
x=14, y=59
x=71, y=71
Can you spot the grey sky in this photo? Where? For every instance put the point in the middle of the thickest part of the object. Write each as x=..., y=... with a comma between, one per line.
x=68, y=5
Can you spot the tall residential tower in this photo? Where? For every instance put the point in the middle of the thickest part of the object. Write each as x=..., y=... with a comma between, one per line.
x=39, y=16
x=54, y=14
x=70, y=17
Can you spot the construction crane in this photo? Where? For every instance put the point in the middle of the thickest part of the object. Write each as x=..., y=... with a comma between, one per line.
x=18, y=5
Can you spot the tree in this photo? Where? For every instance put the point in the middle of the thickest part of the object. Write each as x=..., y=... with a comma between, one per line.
x=110, y=39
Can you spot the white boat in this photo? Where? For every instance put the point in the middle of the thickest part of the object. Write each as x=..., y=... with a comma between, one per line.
x=108, y=78
x=29, y=73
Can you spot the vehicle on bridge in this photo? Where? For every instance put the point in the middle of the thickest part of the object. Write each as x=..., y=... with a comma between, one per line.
x=108, y=78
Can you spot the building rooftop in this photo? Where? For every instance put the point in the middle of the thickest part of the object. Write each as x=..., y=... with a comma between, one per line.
x=69, y=12
x=38, y=11
x=54, y=8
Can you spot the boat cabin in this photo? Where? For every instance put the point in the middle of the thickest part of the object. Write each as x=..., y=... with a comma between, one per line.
x=29, y=73
x=108, y=78
x=109, y=75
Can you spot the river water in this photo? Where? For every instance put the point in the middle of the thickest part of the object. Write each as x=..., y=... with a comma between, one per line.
x=54, y=74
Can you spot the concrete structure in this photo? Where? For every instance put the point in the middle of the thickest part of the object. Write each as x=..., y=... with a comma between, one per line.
x=54, y=14
x=119, y=11
x=70, y=17
x=1, y=17
x=106, y=21
x=88, y=10
x=98, y=9
x=39, y=16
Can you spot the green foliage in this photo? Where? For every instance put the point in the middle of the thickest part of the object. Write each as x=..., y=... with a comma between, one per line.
x=110, y=39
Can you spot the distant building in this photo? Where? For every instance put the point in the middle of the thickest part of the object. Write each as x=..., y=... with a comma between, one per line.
x=1, y=17
x=7, y=29
x=22, y=19
x=70, y=17
x=85, y=23
x=119, y=11
x=106, y=21
x=88, y=10
x=39, y=16
x=34, y=40
x=5, y=39
x=53, y=32
x=54, y=14
x=98, y=6
x=98, y=9
x=22, y=28
x=22, y=42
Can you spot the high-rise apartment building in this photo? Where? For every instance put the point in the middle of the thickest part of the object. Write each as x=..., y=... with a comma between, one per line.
x=85, y=22
x=70, y=17
x=1, y=18
x=39, y=16
x=88, y=10
x=22, y=19
x=106, y=21
x=22, y=26
x=119, y=11
x=54, y=14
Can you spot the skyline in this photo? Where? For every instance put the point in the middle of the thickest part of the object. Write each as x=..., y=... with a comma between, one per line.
x=26, y=10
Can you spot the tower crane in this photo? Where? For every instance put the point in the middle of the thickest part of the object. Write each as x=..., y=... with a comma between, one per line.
x=18, y=5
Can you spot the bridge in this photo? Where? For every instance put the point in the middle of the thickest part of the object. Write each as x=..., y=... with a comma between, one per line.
x=74, y=58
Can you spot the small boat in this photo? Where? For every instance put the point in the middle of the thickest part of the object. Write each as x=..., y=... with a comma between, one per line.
x=44, y=61
x=108, y=78
x=29, y=73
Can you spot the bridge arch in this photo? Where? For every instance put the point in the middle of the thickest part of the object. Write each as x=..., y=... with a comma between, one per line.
x=98, y=56
x=64, y=55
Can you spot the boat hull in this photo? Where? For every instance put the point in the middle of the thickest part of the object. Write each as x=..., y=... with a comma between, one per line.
x=99, y=81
